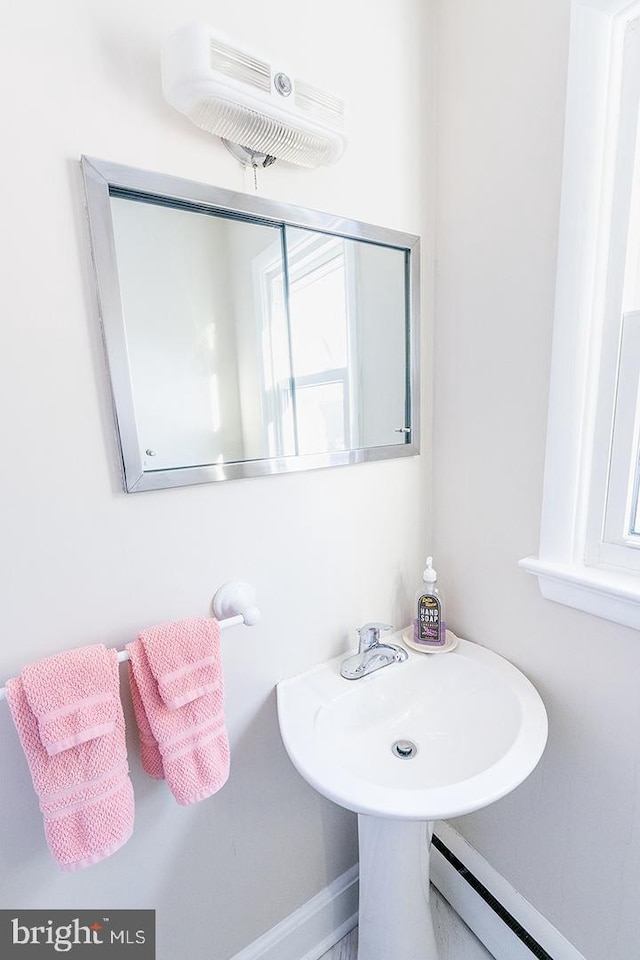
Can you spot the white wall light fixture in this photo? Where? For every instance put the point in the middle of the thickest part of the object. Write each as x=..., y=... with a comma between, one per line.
x=260, y=110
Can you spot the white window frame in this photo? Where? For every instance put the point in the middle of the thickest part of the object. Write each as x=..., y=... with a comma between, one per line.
x=316, y=252
x=309, y=258
x=576, y=566
x=618, y=545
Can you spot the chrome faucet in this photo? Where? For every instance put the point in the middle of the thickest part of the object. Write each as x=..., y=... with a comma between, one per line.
x=372, y=654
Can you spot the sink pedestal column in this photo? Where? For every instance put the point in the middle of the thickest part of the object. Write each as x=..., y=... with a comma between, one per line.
x=395, y=915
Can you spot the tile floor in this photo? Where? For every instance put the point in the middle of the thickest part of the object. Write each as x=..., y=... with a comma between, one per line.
x=455, y=940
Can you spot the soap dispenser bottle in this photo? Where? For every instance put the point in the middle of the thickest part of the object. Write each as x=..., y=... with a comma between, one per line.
x=429, y=629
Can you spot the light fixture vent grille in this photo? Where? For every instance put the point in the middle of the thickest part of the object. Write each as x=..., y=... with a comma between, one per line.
x=319, y=103
x=234, y=63
x=263, y=134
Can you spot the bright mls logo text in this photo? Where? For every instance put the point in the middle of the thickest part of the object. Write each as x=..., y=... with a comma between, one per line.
x=40, y=933
x=64, y=937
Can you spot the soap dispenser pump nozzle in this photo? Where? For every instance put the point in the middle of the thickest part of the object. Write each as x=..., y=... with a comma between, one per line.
x=429, y=575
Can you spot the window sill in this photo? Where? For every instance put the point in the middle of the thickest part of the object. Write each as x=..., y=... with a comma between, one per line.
x=607, y=593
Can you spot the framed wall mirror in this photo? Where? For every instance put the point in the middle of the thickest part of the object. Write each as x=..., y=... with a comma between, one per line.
x=246, y=337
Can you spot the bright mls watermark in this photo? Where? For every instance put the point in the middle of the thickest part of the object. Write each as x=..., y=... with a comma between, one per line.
x=78, y=934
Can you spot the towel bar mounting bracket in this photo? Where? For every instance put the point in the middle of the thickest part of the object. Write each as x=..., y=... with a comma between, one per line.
x=235, y=598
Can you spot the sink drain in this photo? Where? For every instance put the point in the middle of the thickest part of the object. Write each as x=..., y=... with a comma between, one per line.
x=404, y=749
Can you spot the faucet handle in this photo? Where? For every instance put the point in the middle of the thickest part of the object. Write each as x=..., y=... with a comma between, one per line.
x=369, y=634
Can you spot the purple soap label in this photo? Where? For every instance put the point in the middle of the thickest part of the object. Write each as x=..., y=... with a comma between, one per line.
x=428, y=627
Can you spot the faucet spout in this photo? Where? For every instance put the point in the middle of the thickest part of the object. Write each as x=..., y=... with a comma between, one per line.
x=372, y=655
x=369, y=635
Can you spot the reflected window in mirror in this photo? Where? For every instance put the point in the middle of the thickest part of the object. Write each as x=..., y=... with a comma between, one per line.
x=313, y=398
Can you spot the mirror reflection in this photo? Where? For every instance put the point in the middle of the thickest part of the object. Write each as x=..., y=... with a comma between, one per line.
x=253, y=344
x=347, y=314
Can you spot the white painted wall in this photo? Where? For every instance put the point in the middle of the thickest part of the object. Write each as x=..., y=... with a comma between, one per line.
x=568, y=838
x=81, y=561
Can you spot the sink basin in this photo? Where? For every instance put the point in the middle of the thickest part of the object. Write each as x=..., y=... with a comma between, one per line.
x=477, y=724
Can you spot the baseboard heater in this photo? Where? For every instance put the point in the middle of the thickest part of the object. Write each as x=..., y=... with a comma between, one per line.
x=501, y=911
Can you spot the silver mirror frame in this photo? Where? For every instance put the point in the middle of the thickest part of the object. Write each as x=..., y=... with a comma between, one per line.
x=99, y=177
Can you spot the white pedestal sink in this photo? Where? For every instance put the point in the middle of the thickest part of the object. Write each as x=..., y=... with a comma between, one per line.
x=467, y=727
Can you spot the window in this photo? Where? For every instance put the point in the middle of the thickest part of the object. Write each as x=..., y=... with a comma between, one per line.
x=309, y=352
x=322, y=366
x=589, y=555
x=619, y=542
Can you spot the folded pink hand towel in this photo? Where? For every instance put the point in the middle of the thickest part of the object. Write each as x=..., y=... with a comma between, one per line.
x=85, y=794
x=183, y=657
x=187, y=745
x=72, y=696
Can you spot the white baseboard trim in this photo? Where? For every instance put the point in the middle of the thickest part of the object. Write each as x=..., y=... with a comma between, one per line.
x=488, y=927
x=314, y=928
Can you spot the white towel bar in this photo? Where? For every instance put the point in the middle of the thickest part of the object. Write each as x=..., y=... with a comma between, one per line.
x=231, y=598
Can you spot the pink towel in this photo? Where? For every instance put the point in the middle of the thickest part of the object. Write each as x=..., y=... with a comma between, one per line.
x=72, y=696
x=76, y=752
x=178, y=699
x=184, y=659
